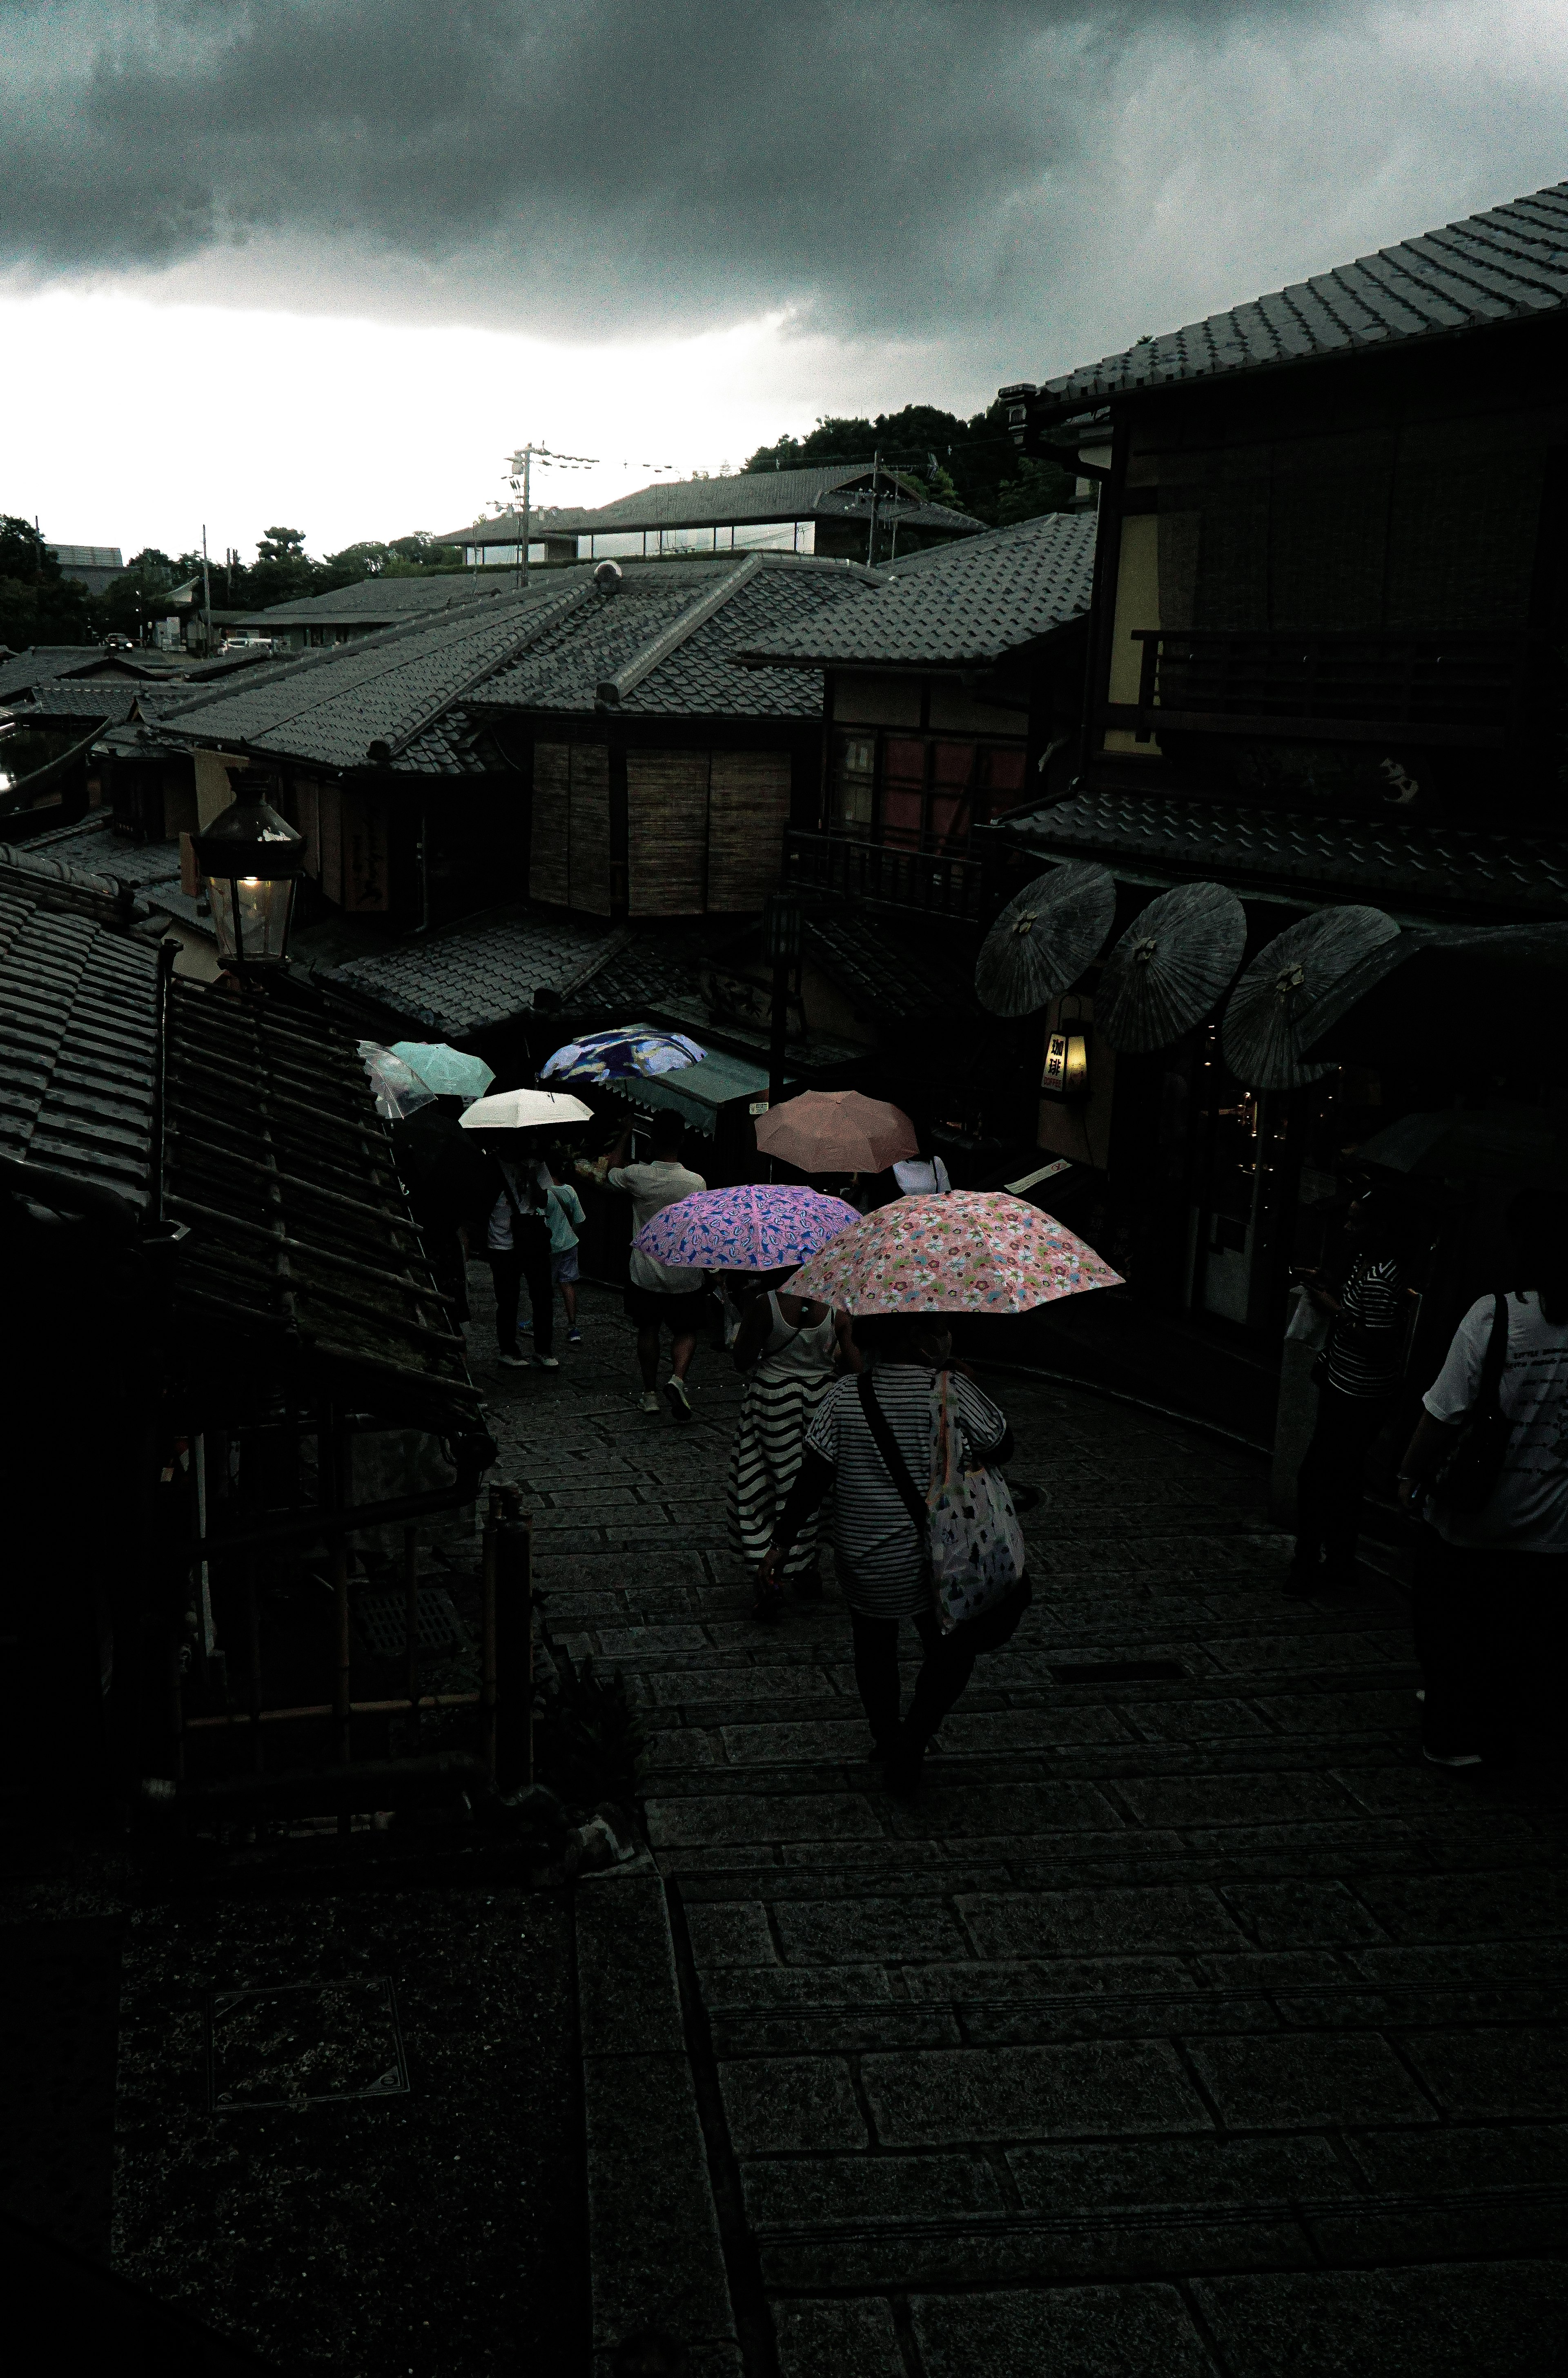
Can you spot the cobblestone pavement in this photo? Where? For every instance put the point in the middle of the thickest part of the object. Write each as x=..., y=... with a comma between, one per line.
x=1188, y=2023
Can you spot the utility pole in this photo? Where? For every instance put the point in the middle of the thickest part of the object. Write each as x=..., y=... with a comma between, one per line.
x=206, y=595
x=524, y=457
x=871, y=540
x=519, y=467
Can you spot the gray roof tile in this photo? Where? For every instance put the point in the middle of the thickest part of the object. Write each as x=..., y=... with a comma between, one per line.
x=741, y=495
x=480, y=973
x=1402, y=863
x=1507, y=264
x=78, y=1021
x=960, y=606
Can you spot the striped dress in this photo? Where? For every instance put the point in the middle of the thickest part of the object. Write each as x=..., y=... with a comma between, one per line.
x=782, y=1396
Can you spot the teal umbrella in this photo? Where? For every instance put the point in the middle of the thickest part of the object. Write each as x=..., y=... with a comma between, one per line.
x=446, y=1071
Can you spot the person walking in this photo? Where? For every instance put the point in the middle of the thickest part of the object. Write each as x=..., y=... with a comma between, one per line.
x=1362, y=1370
x=567, y=1219
x=661, y=1296
x=921, y=1176
x=880, y=1556
x=1490, y=1604
x=509, y=1218
x=788, y=1348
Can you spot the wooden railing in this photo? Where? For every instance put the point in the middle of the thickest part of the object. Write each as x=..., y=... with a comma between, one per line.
x=1464, y=687
x=875, y=873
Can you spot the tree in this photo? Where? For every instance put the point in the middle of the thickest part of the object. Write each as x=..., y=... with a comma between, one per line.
x=282, y=571
x=972, y=465
x=39, y=605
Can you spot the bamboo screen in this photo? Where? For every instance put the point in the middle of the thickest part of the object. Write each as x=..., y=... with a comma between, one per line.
x=748, y=811
x=666, y=833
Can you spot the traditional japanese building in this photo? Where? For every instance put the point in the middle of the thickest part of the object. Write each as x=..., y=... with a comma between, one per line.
x=1325, y=673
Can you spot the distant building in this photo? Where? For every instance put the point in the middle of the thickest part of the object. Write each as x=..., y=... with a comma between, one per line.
x=92, y=566
x=360, y=610
x=833, y=512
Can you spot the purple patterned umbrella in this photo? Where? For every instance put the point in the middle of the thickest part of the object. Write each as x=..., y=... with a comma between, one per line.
x=754, y=1228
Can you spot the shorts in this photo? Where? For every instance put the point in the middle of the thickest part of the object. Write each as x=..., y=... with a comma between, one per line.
x=653, y=1308
x=563, y=1267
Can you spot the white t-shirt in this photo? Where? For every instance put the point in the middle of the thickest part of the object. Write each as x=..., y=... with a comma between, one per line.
x=651, y=1187
x=499, y=1237
x=1528, y=1510
x=922, y=1176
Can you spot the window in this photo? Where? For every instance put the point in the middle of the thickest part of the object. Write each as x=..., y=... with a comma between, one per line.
x=853, y=789
x=904, y=790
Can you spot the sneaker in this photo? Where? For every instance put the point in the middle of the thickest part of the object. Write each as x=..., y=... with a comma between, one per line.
x=574, y=1337
x=678, y=1400
x=546, y=1362
x=525, y=1328
x=648, y=1400
x=1450, y=1758
x=513, y=1362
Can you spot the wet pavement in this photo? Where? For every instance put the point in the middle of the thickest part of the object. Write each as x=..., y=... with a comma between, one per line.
x=1188, y=2023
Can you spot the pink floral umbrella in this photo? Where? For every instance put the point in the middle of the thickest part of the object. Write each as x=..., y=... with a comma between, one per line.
x=972, y=1251
x=754, y=1228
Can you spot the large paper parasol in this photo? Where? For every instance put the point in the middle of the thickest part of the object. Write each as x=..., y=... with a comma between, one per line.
x=1170, y=967
x=1276, y=1011
x=628, y=1052
x=973, y=1251
x=1527, y=1145
x=754, y=1228
x=836, y=1130
x=524, y=1110
x=1044, y=939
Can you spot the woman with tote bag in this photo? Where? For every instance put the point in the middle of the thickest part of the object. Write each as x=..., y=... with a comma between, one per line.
x=901, y=1450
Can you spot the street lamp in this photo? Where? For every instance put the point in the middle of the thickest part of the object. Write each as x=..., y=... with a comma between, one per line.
x=252, y=859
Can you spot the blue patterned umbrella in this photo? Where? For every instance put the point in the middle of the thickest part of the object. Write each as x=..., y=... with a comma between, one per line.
x=627, y=1053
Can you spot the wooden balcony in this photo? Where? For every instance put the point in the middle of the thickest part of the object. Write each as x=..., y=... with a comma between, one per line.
x=1406, y=687
x=884, y=877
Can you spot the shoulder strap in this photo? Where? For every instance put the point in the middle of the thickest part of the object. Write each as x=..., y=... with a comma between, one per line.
x=1496, y=1357
x=887, y=1445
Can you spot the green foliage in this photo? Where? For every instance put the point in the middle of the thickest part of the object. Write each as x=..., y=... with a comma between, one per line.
x=588, y=1744
x=39, y=605
x=972, y=465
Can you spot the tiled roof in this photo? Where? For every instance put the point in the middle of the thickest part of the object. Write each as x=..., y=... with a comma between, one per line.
x=108, y=698
x=755, y=496
x=85, y=557
x=856, y=504
x=300, y=1235
x=694, y=673
x=332, y=706
x=95, y=849
x=78, y=1027
x=21, y=671
x=478, y=974
x=883, y=974
x=373, y=600
x=1509, y=264
x=962, y=606
x=1406, y=866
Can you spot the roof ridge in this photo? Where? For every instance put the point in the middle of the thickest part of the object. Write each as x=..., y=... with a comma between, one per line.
x=375, y=641
x=381, y=752
x=612, y=691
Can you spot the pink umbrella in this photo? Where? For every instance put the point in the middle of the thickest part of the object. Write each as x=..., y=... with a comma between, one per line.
x=837, y=1131
x=754, y=1228
x=972, y=1251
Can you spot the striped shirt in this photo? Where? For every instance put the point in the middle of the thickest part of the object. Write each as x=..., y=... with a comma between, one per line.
x=880, y=1557
x=1373, y=1297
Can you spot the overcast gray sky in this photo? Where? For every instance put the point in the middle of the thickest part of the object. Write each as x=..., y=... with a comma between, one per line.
x=711, y=217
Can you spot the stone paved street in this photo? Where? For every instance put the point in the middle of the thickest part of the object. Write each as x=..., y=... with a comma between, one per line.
x=1187, y=2023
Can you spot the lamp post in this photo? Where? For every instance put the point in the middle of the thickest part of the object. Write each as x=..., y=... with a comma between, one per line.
x=252, y=859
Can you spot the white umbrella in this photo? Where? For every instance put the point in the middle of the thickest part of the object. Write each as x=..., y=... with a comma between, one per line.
x=523, y=1111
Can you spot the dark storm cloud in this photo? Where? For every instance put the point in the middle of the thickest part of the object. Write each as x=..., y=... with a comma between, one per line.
x=575, y=160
